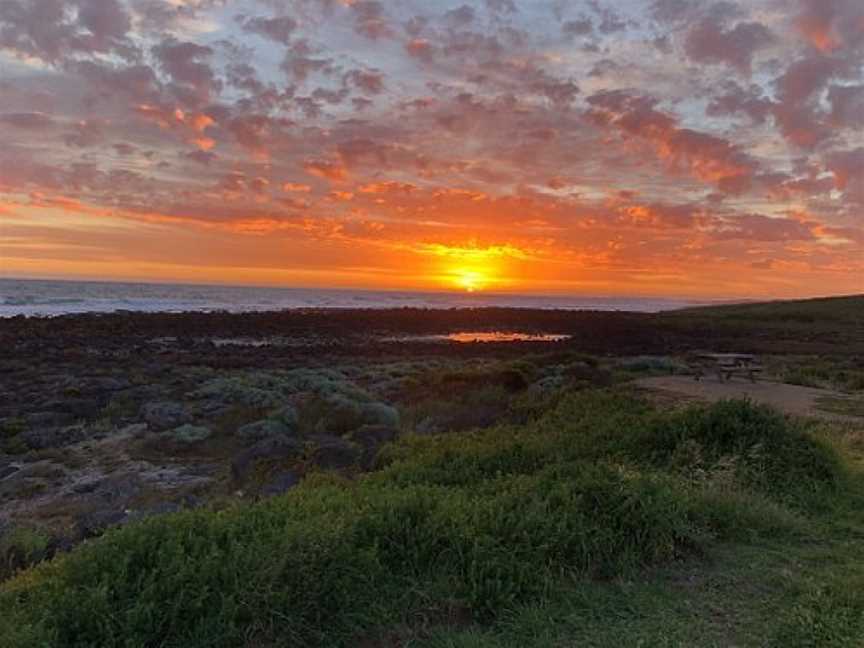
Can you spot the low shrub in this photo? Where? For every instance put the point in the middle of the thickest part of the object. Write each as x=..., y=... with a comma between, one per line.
x=478, y=407
x=771, y=453
x=845, y=374
x=21, y=547
x=481, y=521
x=321, y=564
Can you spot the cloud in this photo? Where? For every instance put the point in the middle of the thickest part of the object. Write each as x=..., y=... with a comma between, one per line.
x=27, y=120
x=501, y=6
x=370, y=20
x=122, y=148
x=610, y=20
x=201, y=157
x=703, y=155
x=657, y=215
x=331, y=171
x=294, y=187
x=250, y=131
x=710, y=42
x=299, y=63
x=194, y=81
x=847, y=105
x=556, y=127
x=137, y=82
x=831, y=25
x=359, y=150
x=757, y=227
x=388, y=187
x=807, y=76
x=735, y=99
x=581, y=27
x=54, y=30
x=367, y=81
x=461, y=16
x=86, y=133
x=848, y=169
x=278, y=29
x=670, y=11
x=420, y=48
x=799, y=88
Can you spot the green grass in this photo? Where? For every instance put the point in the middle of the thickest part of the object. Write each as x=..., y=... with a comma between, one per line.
x=21, y=547
x=567, y=528
x=844, y=373
x=813, y=326
x=846, y=309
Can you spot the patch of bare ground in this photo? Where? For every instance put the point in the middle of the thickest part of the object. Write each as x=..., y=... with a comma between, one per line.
x=791, y=399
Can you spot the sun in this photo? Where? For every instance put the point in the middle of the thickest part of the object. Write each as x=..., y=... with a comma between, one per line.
x=471, y=268
x=470, y=280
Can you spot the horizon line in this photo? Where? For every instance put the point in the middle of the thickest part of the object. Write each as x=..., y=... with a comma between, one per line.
x=478, y=293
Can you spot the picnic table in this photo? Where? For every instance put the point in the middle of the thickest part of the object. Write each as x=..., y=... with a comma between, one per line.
x=725, y=365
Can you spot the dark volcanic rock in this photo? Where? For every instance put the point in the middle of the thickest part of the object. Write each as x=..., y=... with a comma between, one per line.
x=281, y=483
x=264, y=429
x=211, y=408
x=49, y=419
x=333, y=452
x=275, y=448
x=120, y=488
x=8, y=471
x=140, y=394
x=96, y=522
x=53, y=438
x=165, y=415
x=76, y=407
x=105, y=384
x=86, y=486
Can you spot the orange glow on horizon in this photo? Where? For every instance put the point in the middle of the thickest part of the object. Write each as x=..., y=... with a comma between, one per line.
x=363, y=253
x=470, y=280
x=473, y=268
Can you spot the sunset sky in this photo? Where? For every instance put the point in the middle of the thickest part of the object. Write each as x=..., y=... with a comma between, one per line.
x=676, y=147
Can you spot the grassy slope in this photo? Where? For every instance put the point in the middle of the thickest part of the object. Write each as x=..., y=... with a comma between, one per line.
x=822, y=309
x=831, y=325
x=803, y=589
x=795, y=590
x=531, y=535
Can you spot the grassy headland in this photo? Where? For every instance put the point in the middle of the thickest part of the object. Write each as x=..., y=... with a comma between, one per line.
x=463, y=496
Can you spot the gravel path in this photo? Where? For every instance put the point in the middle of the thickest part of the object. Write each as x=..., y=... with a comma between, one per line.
x=791, y=399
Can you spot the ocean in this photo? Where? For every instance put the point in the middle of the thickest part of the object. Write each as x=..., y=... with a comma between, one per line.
x=45, y=297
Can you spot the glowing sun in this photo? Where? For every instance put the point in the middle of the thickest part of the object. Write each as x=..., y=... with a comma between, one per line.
x=470, y=280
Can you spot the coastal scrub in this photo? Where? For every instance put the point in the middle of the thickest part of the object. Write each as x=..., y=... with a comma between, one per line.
x=479, y=523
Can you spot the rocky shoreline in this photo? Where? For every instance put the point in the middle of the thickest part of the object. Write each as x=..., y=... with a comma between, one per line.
x=105, y=419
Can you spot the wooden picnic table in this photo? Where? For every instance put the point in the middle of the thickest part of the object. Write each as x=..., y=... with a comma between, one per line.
x=726, y=365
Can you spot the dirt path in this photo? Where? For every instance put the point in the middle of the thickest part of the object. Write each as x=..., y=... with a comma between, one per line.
x=792, y=399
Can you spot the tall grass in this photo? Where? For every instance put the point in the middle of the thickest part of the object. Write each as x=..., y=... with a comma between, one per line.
x=476, y=522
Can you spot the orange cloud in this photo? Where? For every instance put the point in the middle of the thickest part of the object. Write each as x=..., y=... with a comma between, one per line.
x=388, y=187
x=291, y=187
x=327, y=170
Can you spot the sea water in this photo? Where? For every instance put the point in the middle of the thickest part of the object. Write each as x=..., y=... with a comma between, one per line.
x=49, y=297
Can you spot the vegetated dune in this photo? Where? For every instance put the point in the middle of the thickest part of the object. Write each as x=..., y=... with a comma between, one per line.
x=825, y=309
x=460, y=525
